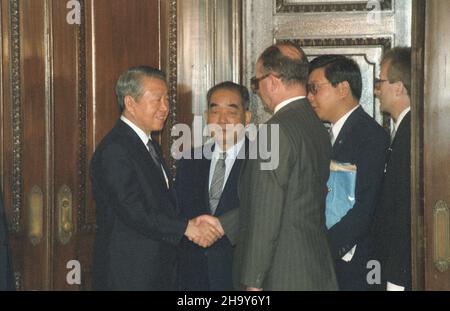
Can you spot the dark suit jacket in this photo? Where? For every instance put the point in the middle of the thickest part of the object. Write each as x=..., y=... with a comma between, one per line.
x=6, y=275
x=282, y=242
x=137, y=218
x=392, y=225
x=210, y=268
x=363, y=142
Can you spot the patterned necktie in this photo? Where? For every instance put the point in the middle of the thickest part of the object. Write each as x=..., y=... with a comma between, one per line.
x=215, y=191
x=153, y=152
x=331, y=135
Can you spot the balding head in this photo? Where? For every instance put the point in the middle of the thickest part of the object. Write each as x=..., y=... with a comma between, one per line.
x=286, y=60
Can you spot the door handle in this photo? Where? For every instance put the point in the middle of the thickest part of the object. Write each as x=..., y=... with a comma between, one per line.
x=441, y=227
x=36, y=215
x=64, y=215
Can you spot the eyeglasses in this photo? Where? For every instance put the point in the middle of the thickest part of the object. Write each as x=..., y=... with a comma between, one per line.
x=254, y=82
x=313, y=87
x=377, y=83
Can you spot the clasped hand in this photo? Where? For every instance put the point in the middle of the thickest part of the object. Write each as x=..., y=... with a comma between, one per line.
x=204, y=230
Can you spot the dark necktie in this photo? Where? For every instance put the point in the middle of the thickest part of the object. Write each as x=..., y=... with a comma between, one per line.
x=155, y=153
x=152, y=149
x=215, y=191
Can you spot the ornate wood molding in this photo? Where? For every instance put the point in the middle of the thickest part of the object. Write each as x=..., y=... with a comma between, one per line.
x=284, y=6
x=172, y=70
x=83, y=224
x=16, y=100
x=385, y=42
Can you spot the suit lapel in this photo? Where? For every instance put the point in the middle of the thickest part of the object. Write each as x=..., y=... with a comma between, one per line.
x=345, y=130
x=142, y=154
x=401, y=132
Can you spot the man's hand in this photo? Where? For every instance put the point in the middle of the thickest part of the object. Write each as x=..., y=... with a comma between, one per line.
x=204, y=230
x=214, y=221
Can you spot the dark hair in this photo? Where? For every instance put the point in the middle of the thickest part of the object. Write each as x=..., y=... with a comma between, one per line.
x=339, y=68
x=130, y=83
x=290, y=70
x=399, y=59
x=231, y=86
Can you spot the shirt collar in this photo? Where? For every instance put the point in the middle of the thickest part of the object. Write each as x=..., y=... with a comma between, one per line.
x=136, y=129
x=286, y=102
x=337, y=127
x=400, y=118
x=232, y=152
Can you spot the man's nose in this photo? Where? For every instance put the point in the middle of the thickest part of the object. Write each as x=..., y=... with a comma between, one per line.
x=165, y=105
x=222, y=117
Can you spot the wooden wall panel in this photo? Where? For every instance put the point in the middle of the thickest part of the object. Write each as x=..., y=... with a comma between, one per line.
x=66, y=132
x=35, y=114
x=437, y=145
x=120, y=37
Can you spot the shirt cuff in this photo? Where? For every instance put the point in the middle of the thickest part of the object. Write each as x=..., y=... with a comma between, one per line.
x=391, y=287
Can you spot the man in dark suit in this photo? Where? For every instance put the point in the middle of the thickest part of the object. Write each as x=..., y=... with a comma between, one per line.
x=282, y=242
x=138, y=219
x=392, y=225
x=335, y=88
x=210, y=268
x=6, y=275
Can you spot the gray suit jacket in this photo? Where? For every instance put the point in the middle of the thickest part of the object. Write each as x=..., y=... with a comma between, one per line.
x=282, y=241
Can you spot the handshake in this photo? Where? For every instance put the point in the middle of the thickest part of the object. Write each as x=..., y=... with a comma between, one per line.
x=204, y=230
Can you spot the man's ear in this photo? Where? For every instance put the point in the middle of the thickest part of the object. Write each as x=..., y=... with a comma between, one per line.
x=400, y=88
x=344, y=89
x=275, y=83
x=248, y=117
x=129, y=103
x=205, y=115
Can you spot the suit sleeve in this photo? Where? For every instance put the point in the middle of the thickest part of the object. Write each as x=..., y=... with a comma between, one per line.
x=356, y=223
x=265, y=213
x=118, y=178
x=230, y=224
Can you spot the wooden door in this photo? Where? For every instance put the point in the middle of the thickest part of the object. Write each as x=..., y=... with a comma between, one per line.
x=59, y=64
x=436, y=145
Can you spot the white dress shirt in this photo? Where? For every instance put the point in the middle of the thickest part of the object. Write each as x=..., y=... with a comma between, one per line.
x=144, y=139
x=336, y=128
x=232, y=154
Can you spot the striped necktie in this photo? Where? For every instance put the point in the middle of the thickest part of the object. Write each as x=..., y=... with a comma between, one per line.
x=215, y=191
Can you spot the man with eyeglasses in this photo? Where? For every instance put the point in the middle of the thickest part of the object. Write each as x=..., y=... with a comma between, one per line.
x=392, y=225
x=334, y=91
x=282, y=242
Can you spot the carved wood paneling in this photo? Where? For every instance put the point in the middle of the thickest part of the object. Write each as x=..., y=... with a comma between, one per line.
x=286, y=6
x=83, y=223
x=172, y=73
x=386, y=43
x=17, y=186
